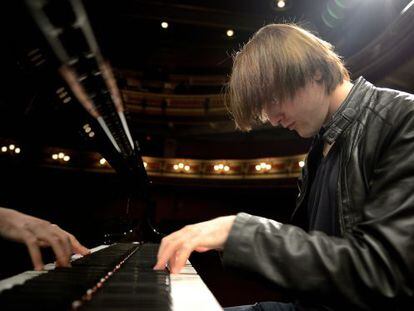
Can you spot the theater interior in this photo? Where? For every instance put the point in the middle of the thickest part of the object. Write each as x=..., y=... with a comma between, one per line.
x=171, y=61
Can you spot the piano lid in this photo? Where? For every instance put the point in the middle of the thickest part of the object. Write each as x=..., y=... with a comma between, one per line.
x=66, y=27
x=89, y=76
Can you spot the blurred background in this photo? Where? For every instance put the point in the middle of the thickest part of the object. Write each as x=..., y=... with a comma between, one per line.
x=171, y=60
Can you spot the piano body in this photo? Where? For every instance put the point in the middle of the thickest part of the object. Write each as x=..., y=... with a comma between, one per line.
x=117, y=276
x=113, y=277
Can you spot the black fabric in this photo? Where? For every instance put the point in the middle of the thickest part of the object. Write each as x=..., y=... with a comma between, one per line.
x=322, y=209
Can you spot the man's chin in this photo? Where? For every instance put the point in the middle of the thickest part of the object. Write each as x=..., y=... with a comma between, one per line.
x=306, y=134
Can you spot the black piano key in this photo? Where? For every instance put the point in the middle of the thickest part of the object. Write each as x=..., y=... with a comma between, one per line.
x=124, y=274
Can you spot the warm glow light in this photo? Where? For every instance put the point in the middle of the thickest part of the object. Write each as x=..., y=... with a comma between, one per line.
x=281, y=4
x=230, y=33
x=164, y=25
x=175, y=166
x=54, y=156
x=268, y=166
x=226, y=168
x=145, y=164
x=61, y=155
x=91, y=134
x=3, y=149
x=11, y=147
x=66, y=158
x=216, y=167
x=102, y=161
x=301, y=163
x=263, y=165
x=258, y=167
x=17, y=150
x=187, y=167
x=181, y=165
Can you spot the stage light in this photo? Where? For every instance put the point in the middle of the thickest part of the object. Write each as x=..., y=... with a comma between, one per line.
x=407, y=7
x=102, y=161
x=230, y=33
x=281, y=4
x=66, y=158
x=164, y=25
x=3, y=149
x=61, y=155
x=11, y=147
x=301, y=163
x=17, y=150
x=54, y=156
x=187, y=168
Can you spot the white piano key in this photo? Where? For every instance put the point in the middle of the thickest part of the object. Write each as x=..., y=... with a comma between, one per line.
x=188, y=291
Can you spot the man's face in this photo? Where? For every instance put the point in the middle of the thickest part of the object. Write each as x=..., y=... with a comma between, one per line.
x=305, y=113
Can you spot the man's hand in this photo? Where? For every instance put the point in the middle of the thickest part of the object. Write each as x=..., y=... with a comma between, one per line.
x=36, y=233
x=177, y=247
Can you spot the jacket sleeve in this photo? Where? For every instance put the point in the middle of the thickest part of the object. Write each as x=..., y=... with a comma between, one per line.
x=371, y=266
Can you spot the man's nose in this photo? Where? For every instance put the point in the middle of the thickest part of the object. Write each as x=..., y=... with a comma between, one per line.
x=276, y=120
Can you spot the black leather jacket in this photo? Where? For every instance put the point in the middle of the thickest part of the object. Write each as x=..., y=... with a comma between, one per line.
x=371, y=266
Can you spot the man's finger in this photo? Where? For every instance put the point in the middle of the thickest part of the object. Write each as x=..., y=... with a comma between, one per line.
x=201, y=249
x=57, y=245
x=45, y=236
x=62, y=238
x=167, y=250
x=34, y=251
x=77, y=247
x=182, y=256
x=171, y=261
x=167, y=240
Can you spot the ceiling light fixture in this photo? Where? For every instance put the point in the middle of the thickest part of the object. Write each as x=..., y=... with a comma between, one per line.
x=230, y=33
x=263, y=166
x=281, y=4
x=164, y=25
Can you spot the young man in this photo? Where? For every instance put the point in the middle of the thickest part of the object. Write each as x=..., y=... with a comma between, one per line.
x=351, y=244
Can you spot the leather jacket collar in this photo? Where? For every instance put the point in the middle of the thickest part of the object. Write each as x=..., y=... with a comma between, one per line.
x=343, y=117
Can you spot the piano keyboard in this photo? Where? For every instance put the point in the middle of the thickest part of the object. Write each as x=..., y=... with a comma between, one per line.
x=116, y=277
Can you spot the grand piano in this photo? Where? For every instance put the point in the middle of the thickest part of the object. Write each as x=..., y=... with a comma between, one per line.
x=117, y=276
